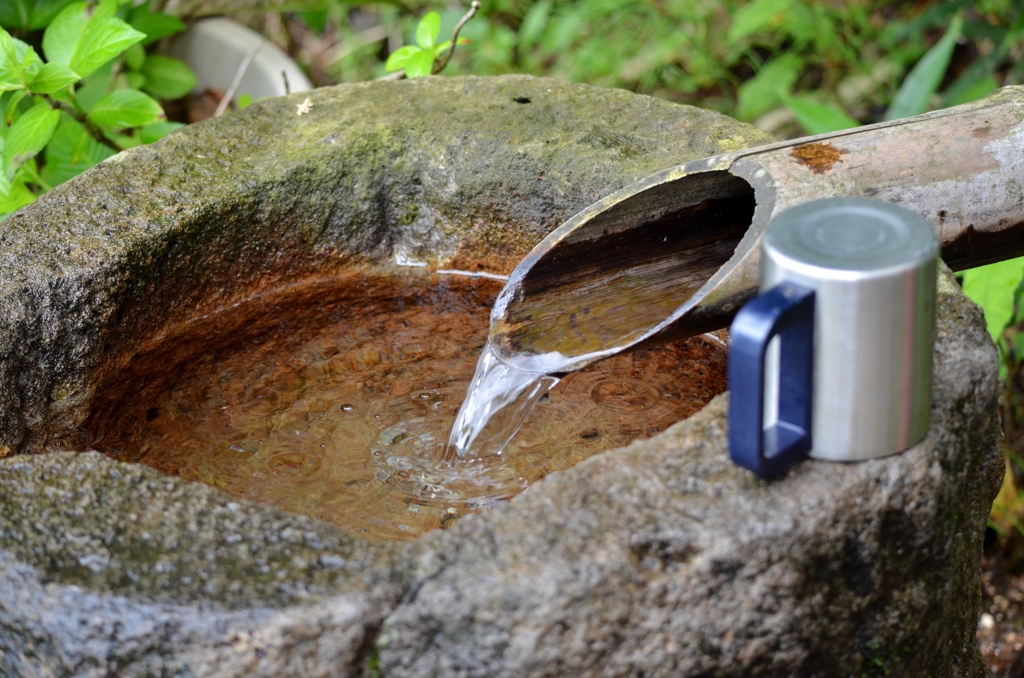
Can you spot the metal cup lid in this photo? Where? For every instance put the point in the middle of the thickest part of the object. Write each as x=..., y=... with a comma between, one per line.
x=850, y=238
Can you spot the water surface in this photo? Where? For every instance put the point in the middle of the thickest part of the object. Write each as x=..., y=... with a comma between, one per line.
x=346, y=418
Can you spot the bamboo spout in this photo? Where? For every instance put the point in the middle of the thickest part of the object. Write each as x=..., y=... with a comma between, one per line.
x=677, y=253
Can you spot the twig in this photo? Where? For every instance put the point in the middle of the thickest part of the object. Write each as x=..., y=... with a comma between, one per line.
x=239, y=74
x=473, y=7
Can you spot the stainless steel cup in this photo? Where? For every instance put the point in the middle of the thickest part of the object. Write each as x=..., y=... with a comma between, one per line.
x=871, y=270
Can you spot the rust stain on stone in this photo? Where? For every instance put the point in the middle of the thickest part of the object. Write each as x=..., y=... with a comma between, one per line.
x=819, y=157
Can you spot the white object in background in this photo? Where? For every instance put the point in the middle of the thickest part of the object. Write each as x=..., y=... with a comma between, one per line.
x=215, y=49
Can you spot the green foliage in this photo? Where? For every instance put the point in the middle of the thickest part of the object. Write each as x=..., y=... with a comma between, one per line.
x=26, y=15
x=924, y=79
x=418, y=60
x=71, y=151
x=154, y=25
x=920, y=88
x=766, y=89
x=994, y=288
x=124, y=108
x=165, y=77
x=91, y=96
x=817, y=118
x=757, y=17
x=837, y=63
x=999, y=290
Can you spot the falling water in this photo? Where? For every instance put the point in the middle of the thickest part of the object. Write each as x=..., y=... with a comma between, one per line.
x=500, y=396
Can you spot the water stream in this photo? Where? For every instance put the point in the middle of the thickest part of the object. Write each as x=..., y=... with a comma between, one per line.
x=501, y=394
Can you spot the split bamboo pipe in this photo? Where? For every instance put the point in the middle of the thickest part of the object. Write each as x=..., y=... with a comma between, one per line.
x=677, y=253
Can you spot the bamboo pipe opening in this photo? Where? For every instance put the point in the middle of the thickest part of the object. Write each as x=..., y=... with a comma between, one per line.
x=608, y=282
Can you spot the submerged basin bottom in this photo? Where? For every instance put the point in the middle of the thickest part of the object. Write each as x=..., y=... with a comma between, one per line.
x=341, y=408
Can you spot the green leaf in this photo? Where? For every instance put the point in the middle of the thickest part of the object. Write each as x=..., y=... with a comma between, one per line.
x=760, y=94
x=125, y=108
x=157, y=131
x=244, y=101
x=799, y=22
x=315, y=20
x=8, y=56
x=533, y=25
x=135, y=80
x=30, y=15
x=122, y=141
x=64, y=33
x=135, y=56
x=85, y=43
x=924, y=79
x=44, y=11
x=7, y=85
x=12, y=107
x=103, y=40
x=71, y=151
x=52, y=77
x=817, y=118
x=29, y=61
x=440, y=48
x=28, y=173
x=992, y=287
x=17, y=196
x=106, y=9
x=168, y=78
x=19, y=62
x=94, y=88
x=428, y=29
x=419, y=64
x=400, y=57
x=155, y=25
x=757, y=16
x=16, y=14
x=971, y=92
x=29, y=134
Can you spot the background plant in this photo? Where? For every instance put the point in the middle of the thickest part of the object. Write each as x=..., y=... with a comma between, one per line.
x=427, y=56
x=836, y=63
x=92, y=92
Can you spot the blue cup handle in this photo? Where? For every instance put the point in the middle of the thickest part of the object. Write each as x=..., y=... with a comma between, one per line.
x=786, y=310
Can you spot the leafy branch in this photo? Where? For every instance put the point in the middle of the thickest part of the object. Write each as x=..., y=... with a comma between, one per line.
x=94, y=94
x=424, y=58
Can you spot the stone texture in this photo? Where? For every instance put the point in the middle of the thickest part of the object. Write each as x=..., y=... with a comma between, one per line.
x=114, y=569
x=658, y=559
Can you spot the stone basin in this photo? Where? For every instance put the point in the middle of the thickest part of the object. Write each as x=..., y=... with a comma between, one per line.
x=658, y=559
